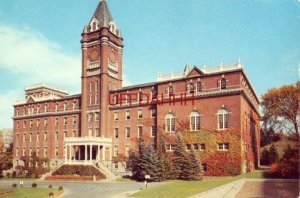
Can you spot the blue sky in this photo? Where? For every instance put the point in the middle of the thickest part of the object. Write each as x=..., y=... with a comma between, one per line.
x=40, y=41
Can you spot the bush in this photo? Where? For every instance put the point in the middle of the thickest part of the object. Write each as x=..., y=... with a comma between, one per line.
x=60, y=188
x=8, y=175
x=232, y=169
x=34, y=185
x=50, y=186
x=51, y=194
x=81, y=170
x=14, y=185
x=14, y=174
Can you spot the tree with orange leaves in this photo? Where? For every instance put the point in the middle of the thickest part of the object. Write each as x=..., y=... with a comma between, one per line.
x=281, y=108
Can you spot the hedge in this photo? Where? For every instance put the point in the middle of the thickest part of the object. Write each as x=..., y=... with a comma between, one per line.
x=81, y=170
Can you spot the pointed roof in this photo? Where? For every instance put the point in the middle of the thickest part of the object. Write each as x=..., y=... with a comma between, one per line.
x=195, y=72
x=102, y=14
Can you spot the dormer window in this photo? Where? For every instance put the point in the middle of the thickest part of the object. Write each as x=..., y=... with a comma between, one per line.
x=223, y=83
x=94, y=25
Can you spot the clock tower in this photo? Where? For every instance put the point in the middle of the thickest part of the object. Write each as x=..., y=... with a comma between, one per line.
x=102, y=48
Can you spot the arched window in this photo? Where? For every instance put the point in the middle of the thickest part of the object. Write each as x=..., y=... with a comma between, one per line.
x=223, y=119
x=191, y=88
x=195, y=121
x=223, y=83
x=170, y=122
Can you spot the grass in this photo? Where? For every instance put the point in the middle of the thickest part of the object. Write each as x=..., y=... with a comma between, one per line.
x=29, y=192
x=122, y=179
x=179, y=189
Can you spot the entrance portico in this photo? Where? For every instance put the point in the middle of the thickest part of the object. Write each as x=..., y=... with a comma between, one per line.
x=86, y=150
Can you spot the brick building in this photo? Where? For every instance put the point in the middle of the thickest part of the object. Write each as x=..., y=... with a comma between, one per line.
x=106, y=118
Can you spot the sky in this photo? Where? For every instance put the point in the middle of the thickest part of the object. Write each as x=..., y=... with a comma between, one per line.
x=40, y=41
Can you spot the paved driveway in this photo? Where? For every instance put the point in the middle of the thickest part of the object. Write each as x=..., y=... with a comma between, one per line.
x=101, y=189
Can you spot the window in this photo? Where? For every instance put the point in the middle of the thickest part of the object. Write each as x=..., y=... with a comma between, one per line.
x=24, y=137
x=56, y=107
x=170, y=147
x=202, y=147
x=56, y=136
x=45, y=137
x=37, y=151
x=170, y=123
x=127, y=150
x=24, y=124
x=23, y=152
x=140, y=113
x=56, y=121
x=74, y=120
x=170, y=90
x=188, y=147
x=90, y=132
x=65, y=106
x=140, y=131
x=30, y=124
x=153, y=113
x=65, y=120
x=153, y=131
x=127, y=132
x=17, y=125
x=45, y=122
x=223, y=119
x=199, y=87
x=97, y=132
x=74, y=105
x=191, y=88
x=203, y=167
x=37, y=123
x=56, y=151
x=37, y=137
x=97, y=116
x=194, y=121
x=116, y=152
x=223, y=83
x=223, y=146
x=65, y=134
x=45, y=151
x=94, y=26
x=116, y=116
x=30, y=137
x=127, y=115
x=90, y=117
x=116, y=132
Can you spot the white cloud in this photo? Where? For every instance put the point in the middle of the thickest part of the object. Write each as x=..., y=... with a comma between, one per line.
x=6, y=107
x=34, y=59
x=27, y=52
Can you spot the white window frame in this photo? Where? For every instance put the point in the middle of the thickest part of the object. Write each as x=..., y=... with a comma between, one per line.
x=194, y=126
x=170, y=123
x=223, y=117
x=224, y=146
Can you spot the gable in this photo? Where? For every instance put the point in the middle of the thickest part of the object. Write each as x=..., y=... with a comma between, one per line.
x=195, y=72
x=30, y=100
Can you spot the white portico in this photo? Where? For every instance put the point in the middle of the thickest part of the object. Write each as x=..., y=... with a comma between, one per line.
x=86, y=150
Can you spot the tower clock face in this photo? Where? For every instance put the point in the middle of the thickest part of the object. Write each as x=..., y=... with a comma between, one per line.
x=94, y=55
x=112, y=57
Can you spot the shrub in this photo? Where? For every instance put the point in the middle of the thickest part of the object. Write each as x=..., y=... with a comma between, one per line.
x=51, y=194
x=81, y=170
x=265, y=157
x=14, y=174
x=50, y=186
x=60, y=188
x=14, y=185
x=8, y=175
x=34, y=185
x=232, y=169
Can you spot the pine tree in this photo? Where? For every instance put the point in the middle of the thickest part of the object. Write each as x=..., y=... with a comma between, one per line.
x=273, y=153
x=149, y=164
x=265, y=157
x=132, y=163
x=179, y=158
x=166, y=166
x=194, y=166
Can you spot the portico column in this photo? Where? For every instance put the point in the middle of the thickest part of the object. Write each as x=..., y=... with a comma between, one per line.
x=90, y=152
x=85, y=152
x=98, y=153
x=110, y=153
x=79, y=153
x=65, y=152
x=103, y=153
x=70, y=155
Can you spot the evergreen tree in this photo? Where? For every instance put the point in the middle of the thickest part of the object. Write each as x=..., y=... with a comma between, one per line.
x=265, y=157
x=132, y=163
x=273, y=153
x=194, y=166
x=166, y=166
x=179, y=158
x=149, y=164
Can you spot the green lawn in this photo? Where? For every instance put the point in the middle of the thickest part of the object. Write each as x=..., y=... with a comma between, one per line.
x=122, y=179
x=179, y=189
x=29, y=192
